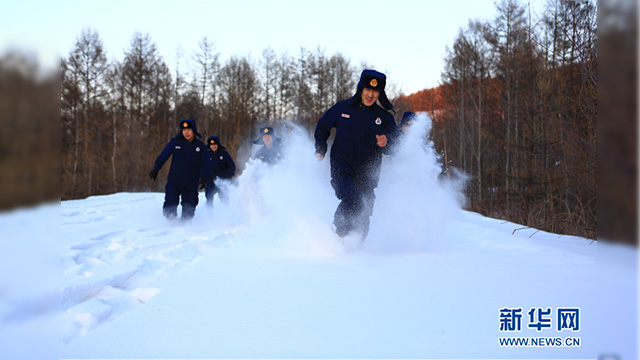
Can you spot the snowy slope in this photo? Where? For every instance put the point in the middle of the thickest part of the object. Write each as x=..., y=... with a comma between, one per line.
x=160, y=290
x=263, y=276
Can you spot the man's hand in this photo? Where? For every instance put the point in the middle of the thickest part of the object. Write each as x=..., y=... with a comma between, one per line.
x=153, y=174
x=381, y=140
x=319, y=156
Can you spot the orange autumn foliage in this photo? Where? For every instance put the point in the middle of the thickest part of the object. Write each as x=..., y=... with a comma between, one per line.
x=430, y=101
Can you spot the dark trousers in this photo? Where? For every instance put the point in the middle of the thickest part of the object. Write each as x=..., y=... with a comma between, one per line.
x=173, y=193
x=356, y=204
x=210, y=190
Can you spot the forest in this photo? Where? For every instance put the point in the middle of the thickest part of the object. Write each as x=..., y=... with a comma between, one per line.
x=116, y=117
x=516, y=111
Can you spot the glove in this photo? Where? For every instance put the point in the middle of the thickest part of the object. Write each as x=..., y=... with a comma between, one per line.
x=203, y=184
x=153, y=174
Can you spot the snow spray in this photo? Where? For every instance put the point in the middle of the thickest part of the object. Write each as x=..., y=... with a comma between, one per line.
x=414, y=200
x=291, y=204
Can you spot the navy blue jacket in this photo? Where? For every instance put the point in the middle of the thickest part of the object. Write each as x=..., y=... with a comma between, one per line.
x=220, y=164
x=270, y=155
x=188, y=164
x=355, y=152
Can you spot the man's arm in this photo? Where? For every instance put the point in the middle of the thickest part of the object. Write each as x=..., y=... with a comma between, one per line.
x=206, y=165
x=390, y=135
x=323, y=131
x=164, y=156
x=231, y=166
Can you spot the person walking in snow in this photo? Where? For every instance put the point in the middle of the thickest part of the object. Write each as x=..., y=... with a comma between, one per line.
x=188, y=169
x=271, y=150
x=220, y=166
x=365, y=130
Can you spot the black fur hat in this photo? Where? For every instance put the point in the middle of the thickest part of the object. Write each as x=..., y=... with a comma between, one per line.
x=373, y=80
x=214, y=140
x=267, y=130
x=190, y=124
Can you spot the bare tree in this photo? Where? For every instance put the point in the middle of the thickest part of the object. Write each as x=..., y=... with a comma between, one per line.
x=507, y=32
x=269, y=85
x=303, y=100
x=138, y=70
x=86, y=65
x=239, y=87
x=286, y=91
x=208, y=66
x=343, y=78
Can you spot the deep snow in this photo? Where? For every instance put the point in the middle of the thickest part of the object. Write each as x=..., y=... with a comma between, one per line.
x=263, y=276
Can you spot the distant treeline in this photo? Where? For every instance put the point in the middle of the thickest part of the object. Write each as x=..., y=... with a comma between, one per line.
x=117, y=116
x=517, y=110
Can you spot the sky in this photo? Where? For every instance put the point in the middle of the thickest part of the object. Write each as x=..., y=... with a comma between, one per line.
x=405, y=39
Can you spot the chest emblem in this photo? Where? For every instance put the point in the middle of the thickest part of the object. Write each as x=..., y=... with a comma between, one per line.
x=346, y=116
x=221, y=157
x=198, y=149
x=378, y=121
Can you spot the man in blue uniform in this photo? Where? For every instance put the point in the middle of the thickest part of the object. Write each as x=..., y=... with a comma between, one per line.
x=363, y=132
x=271, y=151
x=220, y=166
x=188, y=166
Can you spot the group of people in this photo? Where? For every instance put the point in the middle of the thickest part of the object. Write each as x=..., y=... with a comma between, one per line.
x=195, y=165
x=365, y=129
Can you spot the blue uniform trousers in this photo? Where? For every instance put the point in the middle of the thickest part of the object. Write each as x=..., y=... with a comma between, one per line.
x=209, y=191
x=172, y=195
x=356, y=204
